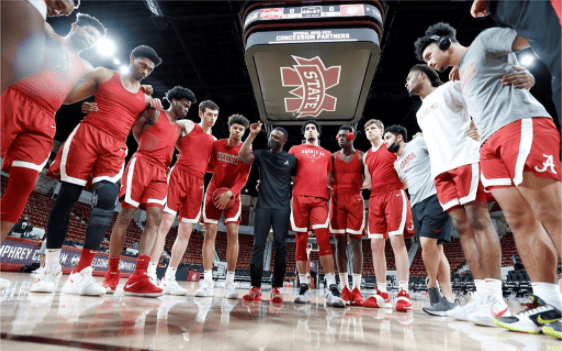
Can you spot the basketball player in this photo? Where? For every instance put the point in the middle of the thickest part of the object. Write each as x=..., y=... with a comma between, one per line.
x=145, y=186
x=519, y=155
x=347, y=212
x=28, y=112
x=185, y=192
x=390, y=218
x=273, y=208
x=95, y=152
x=310, y=210
x=24, y=35
x=525, y=17
x=455, y=169
x=228, y=172
x=432, y=224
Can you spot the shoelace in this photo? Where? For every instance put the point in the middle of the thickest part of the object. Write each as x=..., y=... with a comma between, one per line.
x=534, y=308
x=303, y=289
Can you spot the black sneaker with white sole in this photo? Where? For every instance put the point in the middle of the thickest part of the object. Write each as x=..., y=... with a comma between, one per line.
x=441, y=308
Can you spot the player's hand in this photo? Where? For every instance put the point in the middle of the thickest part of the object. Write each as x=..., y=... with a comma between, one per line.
x=57, y=8
x=255, y=128
x=222, y=200
x=479, y=9
x=156, y=104
x=454, y=74
x=473, y=133
x=148, y=89
x=89, y=107
x=417, y=135
x=521, y=78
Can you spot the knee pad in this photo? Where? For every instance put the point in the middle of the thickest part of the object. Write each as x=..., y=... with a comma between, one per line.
x=103, y=203
x=323, y=239
x=301, y=240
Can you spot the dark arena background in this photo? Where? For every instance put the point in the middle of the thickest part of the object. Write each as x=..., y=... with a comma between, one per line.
x=280, y=63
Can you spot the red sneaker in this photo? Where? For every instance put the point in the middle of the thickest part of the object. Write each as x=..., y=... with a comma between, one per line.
x=346, y=295
x=403, y=302
x=110, y=281
x=253, y=295
x=379, y=300
x=140, y=285
x=357, y=297
x=276, y=297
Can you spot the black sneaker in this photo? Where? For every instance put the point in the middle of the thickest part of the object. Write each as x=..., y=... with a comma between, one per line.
x=434, y=296
x=533, y=319
x=304, y=295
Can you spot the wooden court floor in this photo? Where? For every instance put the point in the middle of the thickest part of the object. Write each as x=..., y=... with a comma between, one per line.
x=115, y=322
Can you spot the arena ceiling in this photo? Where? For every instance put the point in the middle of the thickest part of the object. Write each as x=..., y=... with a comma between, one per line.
x=201, y=45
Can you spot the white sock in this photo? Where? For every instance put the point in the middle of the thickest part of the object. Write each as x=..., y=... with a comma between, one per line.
x=151, y=270
x=170, y=273
x=550, y=293
x=494, y=286
x=302, y=278
x=381, y=287
x=357, y=281
x=343, y=279
x=402, y=286
x=481, y=287
x=52, y=257
x=229, y=278
x=330, y=279
x=208, y=276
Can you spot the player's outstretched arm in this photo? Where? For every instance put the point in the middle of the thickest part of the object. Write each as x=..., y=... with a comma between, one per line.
x=366, y=176
x=88, y=85
x=146, y=120
x=246, y=154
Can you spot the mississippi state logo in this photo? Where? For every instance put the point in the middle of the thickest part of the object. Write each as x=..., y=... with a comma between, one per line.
x=312, y=79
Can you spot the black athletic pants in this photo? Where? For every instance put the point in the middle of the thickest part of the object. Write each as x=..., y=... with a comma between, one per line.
x=264, y=219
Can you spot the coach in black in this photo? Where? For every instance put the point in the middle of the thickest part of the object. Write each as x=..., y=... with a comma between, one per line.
x=273, y=208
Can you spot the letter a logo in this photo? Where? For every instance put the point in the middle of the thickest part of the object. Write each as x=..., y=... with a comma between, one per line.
x=549, y=163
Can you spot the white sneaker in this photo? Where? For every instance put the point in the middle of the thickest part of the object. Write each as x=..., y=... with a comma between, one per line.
x=333, y=297
x=205, y=290
x=304, y=296
x=461, y=313
x=82, y=283
x=48, y=281
x=171, y=287
x=154, y=279
x=4, y=284
x=487, y=309
x=230, y=292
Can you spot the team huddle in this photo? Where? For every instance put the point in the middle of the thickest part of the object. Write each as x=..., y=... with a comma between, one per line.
x=483, y=135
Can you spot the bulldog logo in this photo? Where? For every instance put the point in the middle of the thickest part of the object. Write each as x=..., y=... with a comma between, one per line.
x=312, y=79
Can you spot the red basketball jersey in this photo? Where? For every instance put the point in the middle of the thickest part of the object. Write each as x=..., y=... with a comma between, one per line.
x=381, y=167
x=348, y=176
x=228, y=170
x=156, y=145
x=313, y=165
x=52, y=82
x=195, y=151
x=118, y=108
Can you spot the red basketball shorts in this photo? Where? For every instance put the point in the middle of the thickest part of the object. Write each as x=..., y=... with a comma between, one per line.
x=459, y=186
x=347, y=215
x=211, y=214
x=527, y=145
x=309, y=212
x=185, y=194
x=27, y=132
x=144, y=185
x=390, y=214
x=89, y=153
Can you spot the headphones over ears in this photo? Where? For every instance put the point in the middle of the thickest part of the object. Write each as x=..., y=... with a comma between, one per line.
x=444, y=43
x=350, y=135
